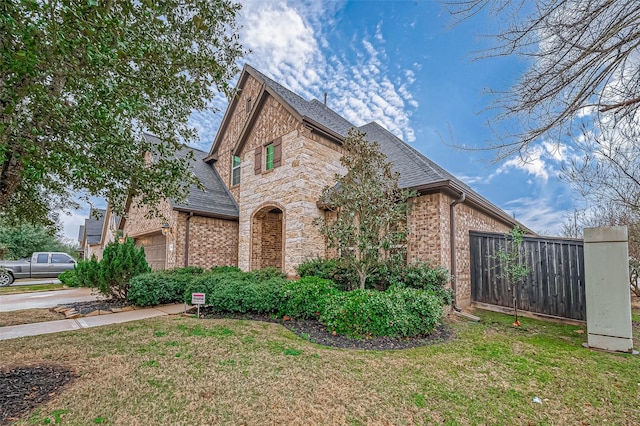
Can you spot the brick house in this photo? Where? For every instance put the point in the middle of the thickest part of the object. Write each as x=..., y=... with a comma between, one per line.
x=99, y=229
x=272, y=156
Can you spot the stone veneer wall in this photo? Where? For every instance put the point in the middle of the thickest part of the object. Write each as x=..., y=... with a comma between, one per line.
x=212, y=241
x=309, y=163
x=137, y=225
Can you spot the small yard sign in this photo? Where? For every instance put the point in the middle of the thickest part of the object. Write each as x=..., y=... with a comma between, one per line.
x=197, y=299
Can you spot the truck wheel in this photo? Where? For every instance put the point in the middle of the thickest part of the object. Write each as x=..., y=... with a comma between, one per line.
x=5, y=278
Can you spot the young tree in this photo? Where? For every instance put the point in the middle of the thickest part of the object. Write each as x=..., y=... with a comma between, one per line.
x=512, y=267
x=80, y=81
x=370, y=209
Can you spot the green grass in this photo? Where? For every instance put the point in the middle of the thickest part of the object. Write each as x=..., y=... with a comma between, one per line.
x=241, y=372
x=17, y=289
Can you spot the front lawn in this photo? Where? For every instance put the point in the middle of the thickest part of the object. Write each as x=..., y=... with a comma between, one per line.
x=176, y=370
x=32, y=288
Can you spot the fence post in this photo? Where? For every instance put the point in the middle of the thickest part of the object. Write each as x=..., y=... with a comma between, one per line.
x=606, y=264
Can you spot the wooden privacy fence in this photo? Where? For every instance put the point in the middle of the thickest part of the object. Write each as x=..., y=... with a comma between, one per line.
x=554, y=286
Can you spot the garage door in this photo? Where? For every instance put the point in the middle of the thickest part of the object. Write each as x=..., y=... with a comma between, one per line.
x=155, y=248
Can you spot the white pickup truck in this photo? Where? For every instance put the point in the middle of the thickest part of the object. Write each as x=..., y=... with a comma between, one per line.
x=41, y=265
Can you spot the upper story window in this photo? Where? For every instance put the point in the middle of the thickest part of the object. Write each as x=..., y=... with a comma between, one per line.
x=235, y=171
x=269, y=162
x=270, y=159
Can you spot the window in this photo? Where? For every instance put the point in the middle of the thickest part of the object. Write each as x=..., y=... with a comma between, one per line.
x=248, y=105
x=235, y=171
x=43, y=258
x=60, y=258
x=269, y=163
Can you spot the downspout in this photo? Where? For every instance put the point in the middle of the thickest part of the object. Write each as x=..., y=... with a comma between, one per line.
x=186, y=240
x=452, y=245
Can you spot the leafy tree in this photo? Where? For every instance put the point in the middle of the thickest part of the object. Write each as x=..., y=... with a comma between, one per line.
x=512, y=267
x=81, y=80
x=580, y=92
x=22, y=240
x=370, y=209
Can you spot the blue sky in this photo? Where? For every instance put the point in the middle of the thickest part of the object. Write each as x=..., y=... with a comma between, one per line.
x=401, y=64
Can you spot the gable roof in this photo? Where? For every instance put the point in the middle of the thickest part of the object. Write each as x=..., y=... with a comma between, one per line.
x=314, y=113
x=215, y=200
x=93, y=225
x=416, y=170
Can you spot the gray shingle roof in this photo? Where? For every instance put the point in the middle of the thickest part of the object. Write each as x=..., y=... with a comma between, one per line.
x=215, y=200
x=81, y=233
x=93, y=225
x=314, y=109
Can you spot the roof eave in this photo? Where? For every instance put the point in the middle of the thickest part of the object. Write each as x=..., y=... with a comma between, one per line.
x=207, y=214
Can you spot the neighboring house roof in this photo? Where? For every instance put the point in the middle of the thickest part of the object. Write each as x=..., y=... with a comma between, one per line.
x=93, y=225
x=215, y=200
x=81, y=234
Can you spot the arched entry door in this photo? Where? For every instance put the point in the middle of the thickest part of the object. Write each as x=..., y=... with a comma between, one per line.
x=266, y=238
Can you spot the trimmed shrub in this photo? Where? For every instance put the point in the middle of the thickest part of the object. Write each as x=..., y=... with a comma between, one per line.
x=397, y=312
x=224, y=269
x=120, y=262
x=69, y=278
x=157, y=288
x=334, y=270
x=307, y=297
x=267, y=274
x=191, y=270
x=422, y=276
x=238, y=292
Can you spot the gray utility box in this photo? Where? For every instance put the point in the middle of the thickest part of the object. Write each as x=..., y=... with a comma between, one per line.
x=606, y=264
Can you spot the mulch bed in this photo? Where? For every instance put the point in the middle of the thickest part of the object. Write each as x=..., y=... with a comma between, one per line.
x=25, y=388
x=315, y=332
x=310, y=330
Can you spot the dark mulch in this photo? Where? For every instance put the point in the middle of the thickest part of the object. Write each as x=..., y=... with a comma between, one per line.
x=25, y=388
x=310, y=330
x=315, y=332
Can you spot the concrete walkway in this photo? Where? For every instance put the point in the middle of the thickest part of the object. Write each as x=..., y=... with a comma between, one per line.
x=48, y=327
x=45, y=299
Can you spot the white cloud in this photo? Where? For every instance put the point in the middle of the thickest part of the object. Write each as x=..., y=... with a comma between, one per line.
x=540, y=160
x=537, y=214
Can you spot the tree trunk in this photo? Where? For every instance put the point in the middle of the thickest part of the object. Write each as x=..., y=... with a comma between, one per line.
x=10, y=176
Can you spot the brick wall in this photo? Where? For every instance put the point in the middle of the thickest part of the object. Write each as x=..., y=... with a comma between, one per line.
x=137, y=225
x=267, y=247
x=232, y=133
x=429, y=224
x=212, y=241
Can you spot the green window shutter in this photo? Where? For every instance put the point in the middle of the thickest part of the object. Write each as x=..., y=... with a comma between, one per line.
x=269, y=162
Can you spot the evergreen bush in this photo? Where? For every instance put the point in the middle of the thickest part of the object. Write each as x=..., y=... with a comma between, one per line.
x=397, y=312
x=120, y=262
x=307, y=297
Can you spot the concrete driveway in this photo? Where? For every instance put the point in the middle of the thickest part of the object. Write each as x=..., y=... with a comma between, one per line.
x=44, y=299
x=33, y=281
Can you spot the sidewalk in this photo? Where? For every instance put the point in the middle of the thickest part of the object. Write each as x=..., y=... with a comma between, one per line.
x=15, y=331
